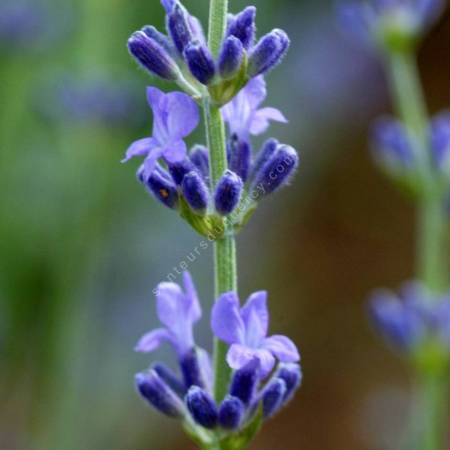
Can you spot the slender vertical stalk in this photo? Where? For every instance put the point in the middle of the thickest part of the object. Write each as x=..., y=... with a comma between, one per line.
x=432, y=258
x=225, y=276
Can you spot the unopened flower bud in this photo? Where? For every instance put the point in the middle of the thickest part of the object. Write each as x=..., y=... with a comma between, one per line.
x=272, y=397
x=162, y=187
x=180, y=169
x=231, y=413
x=191, y=370
x=159, y=37
x=244, y=382
x=240, y=156
x=230, y=58
x=159, y=394
x=277, y=171
x=243, y=26
x=195, y=192
x=179, y=27
x=200, y=62
x=202, y=407
x=268, y=52
x=267, y=151
x=152, y=56
x=291, y=374
x=170, y=378
x=228, y=193
x=200, y=158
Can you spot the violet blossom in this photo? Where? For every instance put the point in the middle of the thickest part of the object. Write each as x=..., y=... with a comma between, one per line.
x=175, y=116
x=245, y=330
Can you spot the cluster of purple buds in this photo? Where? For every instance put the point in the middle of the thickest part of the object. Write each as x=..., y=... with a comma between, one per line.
x=413, y=320
x=394, y=151
x=266, y=370
x=179, y=179
x=183, y=56
x=390, y=24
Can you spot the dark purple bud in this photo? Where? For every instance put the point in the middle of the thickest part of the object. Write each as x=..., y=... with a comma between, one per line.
x=179, y=28
x=202, y=407
x=200, y=62
x=200, y=158
x=162, y=187
x=230, y=57
x=243, y=26
x=228, y=193
x=272, y=397
x=277, y=171
x=191, y=370
x=231, y=413
x=159, y=394
x=244, y=382
x=152, y=56
x=180, y=169
x=267, y=151
x=159, y=37
x=239, y=156
x=268, y=52
x=291, y=374
x=170, y=378
x=195, y=192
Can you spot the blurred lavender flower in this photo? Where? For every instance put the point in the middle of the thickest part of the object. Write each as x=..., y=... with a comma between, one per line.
x=244, y=115
x=393, y=148
x=20, y=19
x=413, y=318
x=245, y=329
x=391, y=23
x=175, y=116
x=97, y=99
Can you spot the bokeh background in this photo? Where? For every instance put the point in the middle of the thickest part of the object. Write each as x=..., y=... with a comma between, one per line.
x=82, y=245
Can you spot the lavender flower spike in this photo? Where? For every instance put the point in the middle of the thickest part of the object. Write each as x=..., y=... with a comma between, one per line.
x=243, y=115
x=178, y=311
x=175, y=116
x=245, y=329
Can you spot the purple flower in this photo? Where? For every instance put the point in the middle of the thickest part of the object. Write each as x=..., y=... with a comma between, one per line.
x=440, y=141
x=175, y=116
x=243, y=114
x=245, y=330
x=177, y=310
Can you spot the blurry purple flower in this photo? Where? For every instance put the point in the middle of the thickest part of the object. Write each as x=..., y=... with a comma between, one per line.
x=245, y=329
x=411, y=318
x=178, y=310
x=168, y=5
x=243, y=114
x=387, y=18
x=440, y=141
x=175, y=116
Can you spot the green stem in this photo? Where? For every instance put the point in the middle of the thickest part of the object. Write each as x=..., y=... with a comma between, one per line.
x=432, y=259
x=225, y=248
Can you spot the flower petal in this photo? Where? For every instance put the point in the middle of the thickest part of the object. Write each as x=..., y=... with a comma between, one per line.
x=149, y=163
x=195, y=311
x=256, y=318
x=255, y=92
x=152, y=340
x=261, y=119
x=283, y=348
x=140, y=147
x=175, y=152
x=182, y=115
x=266, y=362
x=173, y=308
x=226, y=321
x=239, y=356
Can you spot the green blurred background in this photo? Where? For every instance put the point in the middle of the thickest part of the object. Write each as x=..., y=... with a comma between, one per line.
x=82, y=245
